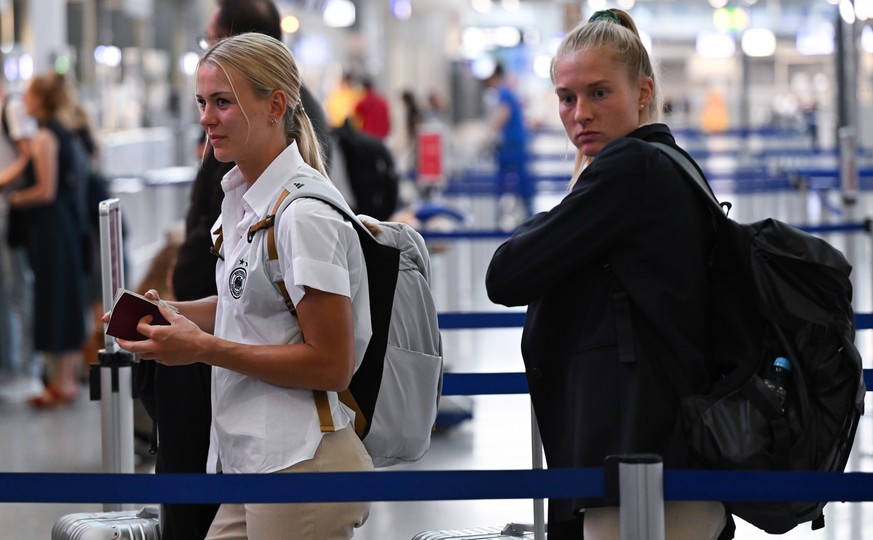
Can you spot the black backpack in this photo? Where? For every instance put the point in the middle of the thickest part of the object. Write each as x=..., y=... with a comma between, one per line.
x=371, y=172
x=775, y=291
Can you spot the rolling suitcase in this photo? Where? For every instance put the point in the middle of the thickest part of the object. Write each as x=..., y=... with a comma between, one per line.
x=125, y=525
x=512, y=530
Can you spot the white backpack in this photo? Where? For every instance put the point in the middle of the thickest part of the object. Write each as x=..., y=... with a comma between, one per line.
x=395, y=392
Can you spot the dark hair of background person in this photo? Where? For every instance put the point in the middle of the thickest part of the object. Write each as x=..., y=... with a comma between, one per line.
x=240, y=16
x=262, y=16
x=194, y=274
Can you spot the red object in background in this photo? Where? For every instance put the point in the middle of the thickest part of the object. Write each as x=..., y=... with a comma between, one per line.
x=430, y=157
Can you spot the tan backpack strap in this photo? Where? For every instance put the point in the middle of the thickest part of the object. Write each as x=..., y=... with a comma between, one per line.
x=322, y=405
x=216, y=246
x=360, y=420
x=272, y=253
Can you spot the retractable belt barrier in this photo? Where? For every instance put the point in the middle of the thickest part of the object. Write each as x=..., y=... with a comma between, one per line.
x=679, y=485
x=389, y=485
x=858, y=226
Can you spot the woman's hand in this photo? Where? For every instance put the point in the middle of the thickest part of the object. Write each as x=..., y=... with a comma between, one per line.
x=173, y=344
x=176, y=344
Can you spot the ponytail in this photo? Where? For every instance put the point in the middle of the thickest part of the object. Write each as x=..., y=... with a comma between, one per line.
x=300, y=129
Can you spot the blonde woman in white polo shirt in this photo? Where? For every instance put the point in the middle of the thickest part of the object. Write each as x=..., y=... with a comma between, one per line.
x=264, y=418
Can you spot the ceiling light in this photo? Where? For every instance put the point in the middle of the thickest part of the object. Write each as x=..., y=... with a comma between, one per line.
x=847, y=11
x=759, y=42
x=339, y=13
x=864, y=9
x=290, y=24
x=715, y=45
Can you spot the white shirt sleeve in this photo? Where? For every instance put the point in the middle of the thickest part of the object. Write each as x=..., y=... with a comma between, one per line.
x=320, y=243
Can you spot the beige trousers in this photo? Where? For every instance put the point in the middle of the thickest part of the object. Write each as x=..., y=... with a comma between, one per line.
x=338, y=451
x=683, y=520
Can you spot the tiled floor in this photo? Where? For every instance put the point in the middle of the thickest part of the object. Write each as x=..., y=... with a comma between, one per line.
x=498, y=436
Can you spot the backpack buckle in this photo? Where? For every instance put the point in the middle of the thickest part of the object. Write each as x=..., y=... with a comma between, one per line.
x=265, y=223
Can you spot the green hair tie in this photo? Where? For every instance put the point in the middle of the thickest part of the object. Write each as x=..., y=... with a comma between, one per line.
x=605, y=15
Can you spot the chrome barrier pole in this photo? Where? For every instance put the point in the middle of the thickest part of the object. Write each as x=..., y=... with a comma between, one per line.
x=111, y=379
x=537, y=453
x=848, y=151
x=641, y=493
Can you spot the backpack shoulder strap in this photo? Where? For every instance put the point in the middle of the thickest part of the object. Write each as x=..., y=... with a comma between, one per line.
x=215, y=249
x=268, y=224
x=317, y=189
x=691, y=171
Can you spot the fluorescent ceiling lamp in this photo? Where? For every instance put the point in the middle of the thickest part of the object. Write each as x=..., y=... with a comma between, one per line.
x=542, y=66
x=596, y=5
x=483, y=67
x=339, y=13
x=867, y=39
x=847, y=11
x=10, y=68
x=402, y=9
x=474, y=41
x=864, y=9
x=759, y=42
x=507, y=36
x=312, y=50
x=107, y=55
x=715, y=45
x=188, y=63
x=481, y=6
x=25, y=67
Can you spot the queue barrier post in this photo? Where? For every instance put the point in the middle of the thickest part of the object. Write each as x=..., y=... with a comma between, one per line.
x=641, y=496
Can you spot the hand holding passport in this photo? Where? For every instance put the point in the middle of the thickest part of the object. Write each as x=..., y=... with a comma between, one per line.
x=127, y=310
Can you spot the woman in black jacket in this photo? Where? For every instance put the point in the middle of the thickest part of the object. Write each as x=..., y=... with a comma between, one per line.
x=614, y=278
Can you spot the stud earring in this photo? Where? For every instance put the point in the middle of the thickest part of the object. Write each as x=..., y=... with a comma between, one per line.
x=272, y=122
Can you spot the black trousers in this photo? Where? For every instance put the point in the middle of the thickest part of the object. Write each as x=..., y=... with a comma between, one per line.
x=179, y=401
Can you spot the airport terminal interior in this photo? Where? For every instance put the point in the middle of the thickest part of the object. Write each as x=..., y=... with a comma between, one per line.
x=773, y=98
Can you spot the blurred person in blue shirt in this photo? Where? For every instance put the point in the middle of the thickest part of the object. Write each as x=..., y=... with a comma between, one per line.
x=511, y=148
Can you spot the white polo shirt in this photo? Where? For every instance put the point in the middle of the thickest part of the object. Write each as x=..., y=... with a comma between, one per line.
x=258, y=427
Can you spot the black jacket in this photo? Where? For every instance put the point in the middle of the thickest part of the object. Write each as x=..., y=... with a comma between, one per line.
x=631, y=218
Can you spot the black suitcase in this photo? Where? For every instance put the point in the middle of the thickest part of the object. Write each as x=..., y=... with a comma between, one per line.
x=512, y=530
x=141, y=524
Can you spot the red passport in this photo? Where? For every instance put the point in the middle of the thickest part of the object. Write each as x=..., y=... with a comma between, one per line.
x=127, y=309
